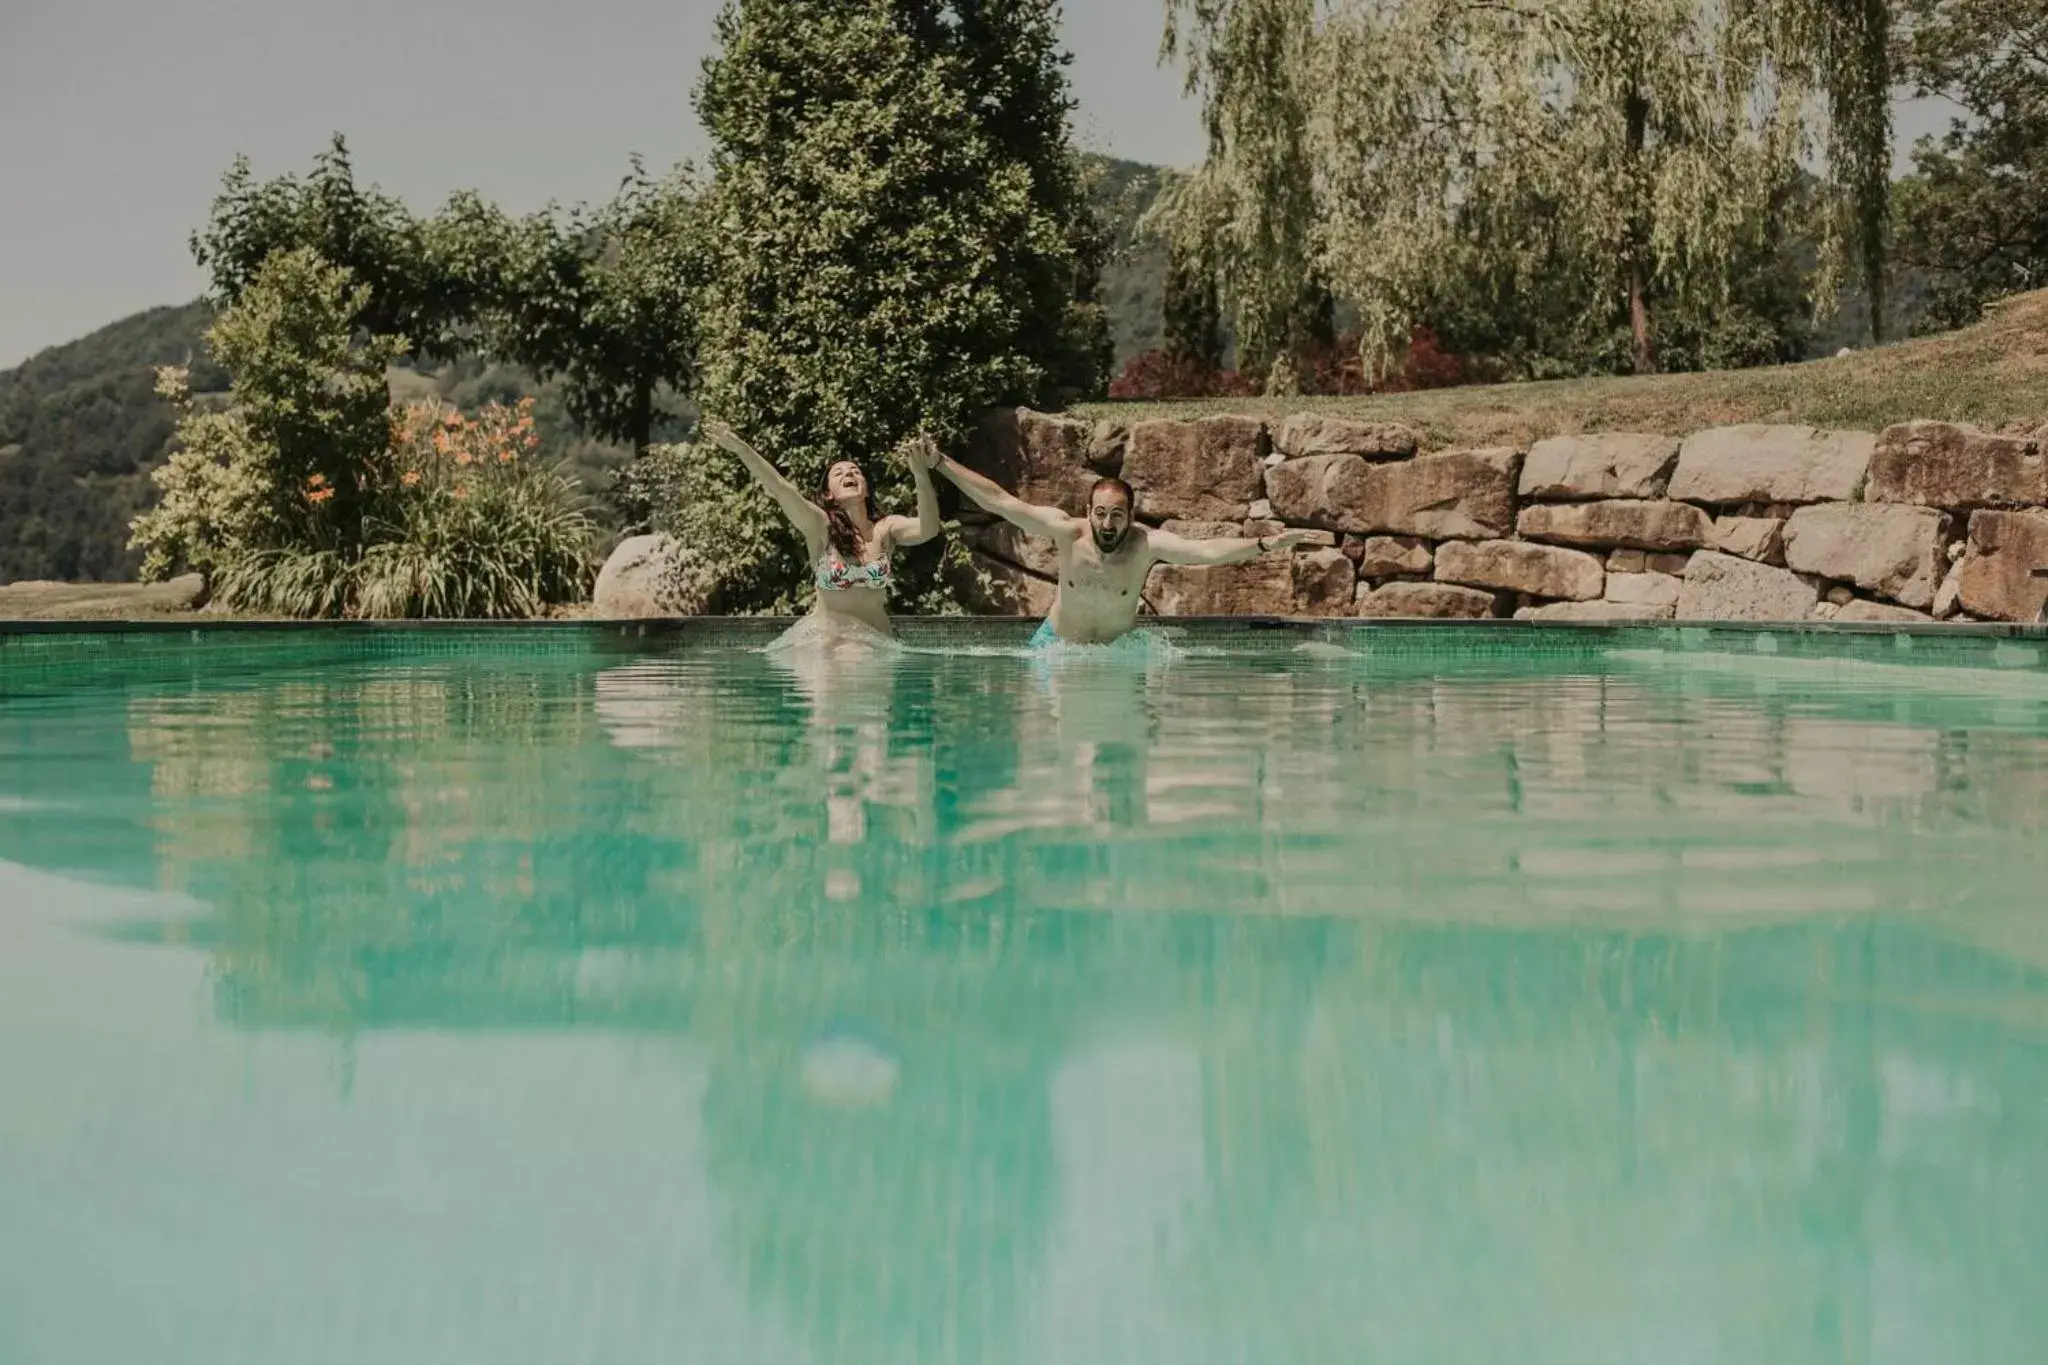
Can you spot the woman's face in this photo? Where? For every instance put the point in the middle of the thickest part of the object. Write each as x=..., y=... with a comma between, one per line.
x=846, y=483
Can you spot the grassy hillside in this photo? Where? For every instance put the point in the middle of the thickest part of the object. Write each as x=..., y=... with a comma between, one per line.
x=1994, y=374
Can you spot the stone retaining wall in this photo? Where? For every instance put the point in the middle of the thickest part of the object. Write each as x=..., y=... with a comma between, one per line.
x=1926, y=521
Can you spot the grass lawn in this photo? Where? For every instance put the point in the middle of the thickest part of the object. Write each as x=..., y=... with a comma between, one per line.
x=1994, y=374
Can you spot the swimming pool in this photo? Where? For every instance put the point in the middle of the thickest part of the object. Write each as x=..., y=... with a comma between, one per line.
x=1433, y=994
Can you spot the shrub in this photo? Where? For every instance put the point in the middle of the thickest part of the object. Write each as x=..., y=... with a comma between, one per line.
x=1157, y=375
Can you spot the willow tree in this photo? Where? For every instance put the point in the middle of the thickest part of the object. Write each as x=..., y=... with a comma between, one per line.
x=1368, y=144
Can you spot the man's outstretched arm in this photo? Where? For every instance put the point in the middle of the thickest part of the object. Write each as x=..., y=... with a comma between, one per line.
x=1168, y=548
x=992, y=498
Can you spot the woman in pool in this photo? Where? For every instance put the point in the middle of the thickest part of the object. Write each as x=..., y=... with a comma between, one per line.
x=848, y=538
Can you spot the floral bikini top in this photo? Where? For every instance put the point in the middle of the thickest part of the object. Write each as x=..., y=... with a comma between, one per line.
x=836, y=575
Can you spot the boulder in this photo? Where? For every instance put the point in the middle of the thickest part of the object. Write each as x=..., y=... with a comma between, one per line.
x=1606, y=465
x=1205, y=530
x=1462, y=495
x=1106, y=447
x=1755, y=463
x=1890, y=549
x=1041, y=459
x=1997, y=579
x=1325, y=582
x=1516, y=566
x=1003, y=541
x=1630, y=524
x=1320, y=540
x=1593, y=612
x=1656, y=593
x=1879, y=613
x=997, y=588
x=1944, y=464
x=1206, y=470
x=1758, y=538
x=1948, y=598
x=1722, y=587
x=1258, y=587
x=1389, y=556
x=650, y=578
x=1436, y=601
x=1627, y=561
x=1673, y=564
x=1309, y=433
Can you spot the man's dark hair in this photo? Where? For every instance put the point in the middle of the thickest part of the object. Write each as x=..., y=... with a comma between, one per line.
x=1130, y=498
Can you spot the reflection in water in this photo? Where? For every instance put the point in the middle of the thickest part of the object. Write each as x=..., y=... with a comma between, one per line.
x=969, y=1010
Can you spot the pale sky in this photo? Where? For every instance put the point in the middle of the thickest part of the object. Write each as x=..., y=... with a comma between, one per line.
x=117, y=118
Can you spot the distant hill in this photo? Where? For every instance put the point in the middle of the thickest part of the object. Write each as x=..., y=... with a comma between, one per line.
x=81, y=426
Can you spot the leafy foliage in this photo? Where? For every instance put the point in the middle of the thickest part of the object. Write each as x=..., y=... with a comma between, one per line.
x=310, y=496
x=904, y=241
x=1974, y=215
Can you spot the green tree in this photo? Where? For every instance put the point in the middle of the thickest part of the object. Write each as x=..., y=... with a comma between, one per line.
x=1194, y=315
x=1360, y=147
x=606, y=299
x=904, y=242
x=400, y=286
x=1974, y=214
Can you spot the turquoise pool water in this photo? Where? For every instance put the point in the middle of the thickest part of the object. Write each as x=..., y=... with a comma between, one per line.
x=1408, y=996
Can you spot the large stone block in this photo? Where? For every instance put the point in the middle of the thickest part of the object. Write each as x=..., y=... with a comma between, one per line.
x=1602, y=612
x=1309, y=433
x=1517, y=566
x=1042, y=459
x=1880, y=613
x=1758, y=538
x=1325, y=582
x=1615, y=464
x=1628, y=524
x=1997, y=578
x=1890, y=549
x=1259, y=587
x=1206, y=470
x=648, y=578
x=1722, y=587
x=1389, y=556
x=1461, y=495
x=1435, y=601
x=1728, y=465
x=1944, y=464
x=1657, y=593
x=1005, y=542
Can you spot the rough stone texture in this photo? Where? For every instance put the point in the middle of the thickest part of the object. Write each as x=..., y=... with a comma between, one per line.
x=1005, y=542
x=1106, y=447
x=1312, y=539
x=1722, y=587
x=1658, y=592
x=1259, y=587
x=1436, y=601
x=1039, y=458
x=1462, y=495
x=1389, y=556
x=1758, y=538
x=1208, y=470
x=1325, y=583
x=1728, y=465
x=40, y=600
x=1515, y=566
x=648, y=578
x=1593, y=611
x=1862, y=610
x=1949, y=596
x=1942, y=464
x=1840, y=596
x=1205, y=530
x=1633, y=525
x=1007, y=591
x=1260, y=510
x=1997, y=578
x=1673, y=564
x=1890, y=549
x=1307, y=433
x=1627, y=561
x=1607, y=465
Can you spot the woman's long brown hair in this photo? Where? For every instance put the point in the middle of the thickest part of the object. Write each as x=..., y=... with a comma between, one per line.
x=839, y=527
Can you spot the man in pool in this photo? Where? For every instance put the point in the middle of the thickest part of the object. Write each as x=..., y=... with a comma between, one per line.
x=1105, y=556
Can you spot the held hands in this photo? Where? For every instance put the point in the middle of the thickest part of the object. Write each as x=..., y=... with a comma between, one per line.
x=920, y=453
x=721, y=435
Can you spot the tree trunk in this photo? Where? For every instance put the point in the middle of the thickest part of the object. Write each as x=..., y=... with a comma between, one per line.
x=1637, y=112
x=642, y=434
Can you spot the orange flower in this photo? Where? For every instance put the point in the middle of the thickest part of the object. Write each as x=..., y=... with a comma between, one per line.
x=505, y=457
x=461, y=493
x=411, y=477
x=532, y=442
x=319, y=495
x=317, y=481
x=451, y=418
